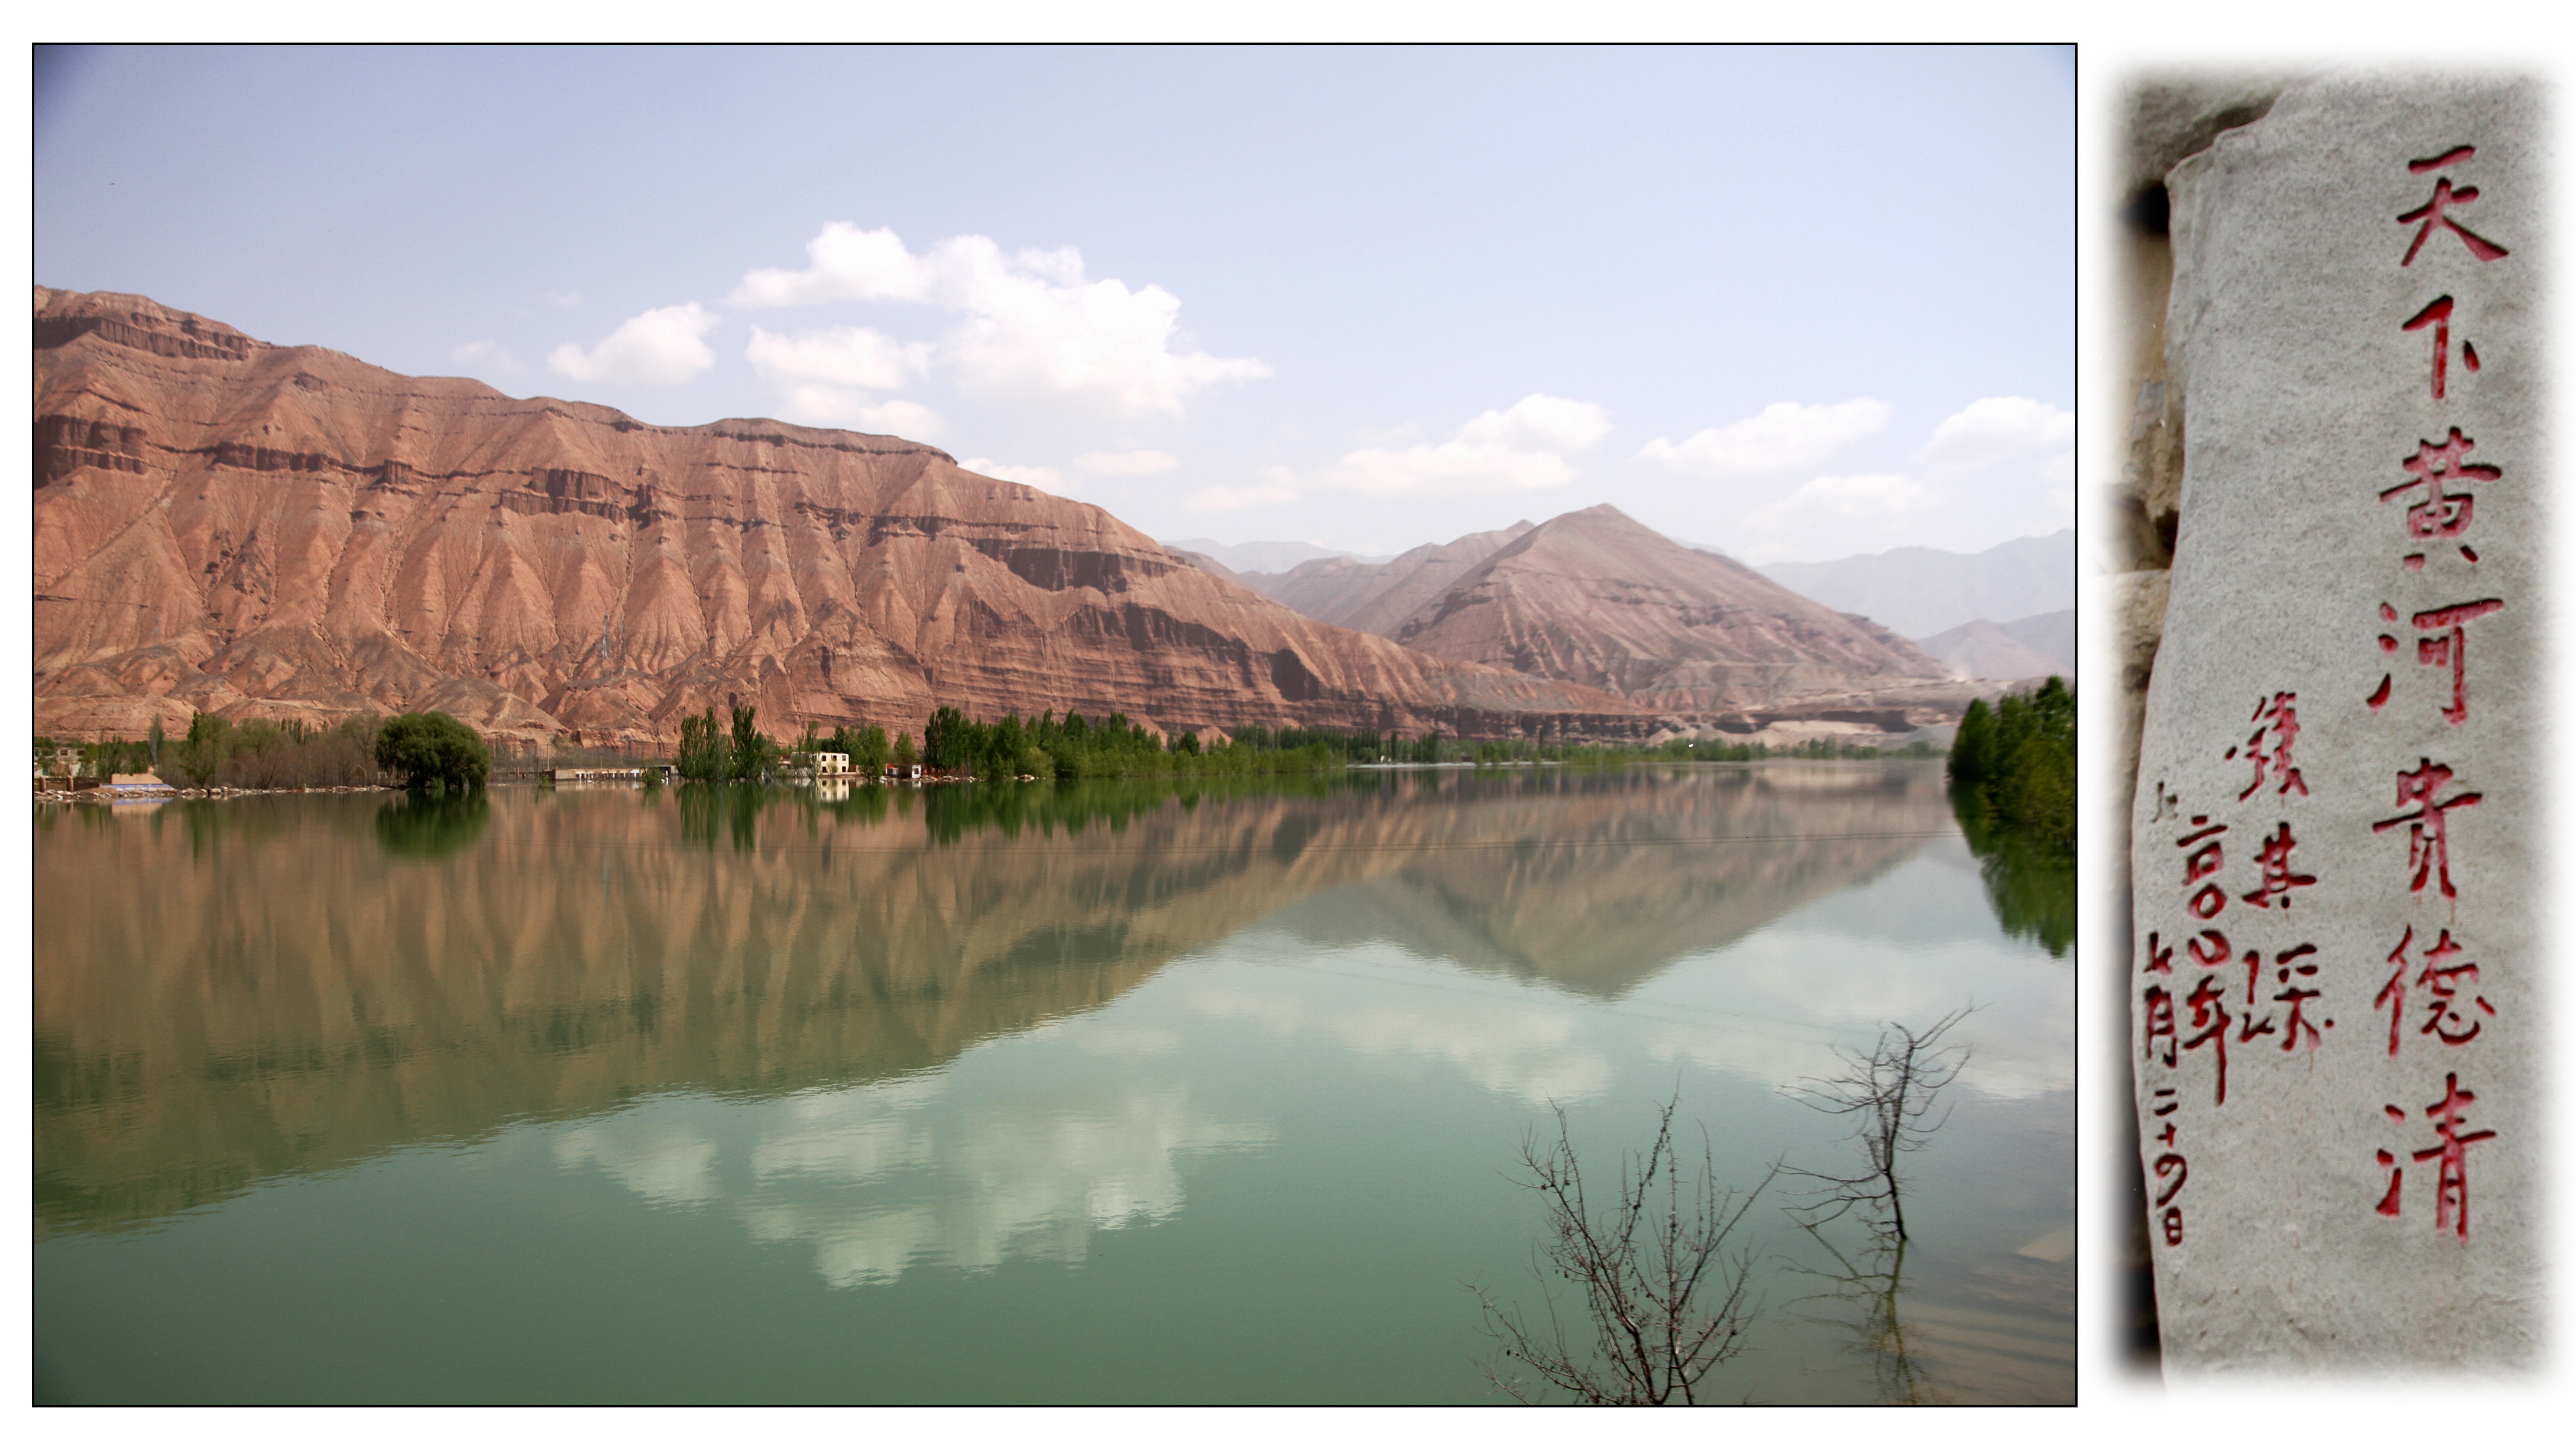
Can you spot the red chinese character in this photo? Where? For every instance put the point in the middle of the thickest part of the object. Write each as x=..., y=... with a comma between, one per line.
x=2170, y=1165
x=2387, y=646
x=2451, y=1184
x=2435, y=213
x=2210, y=948
x=2159, y=957
x=2388, y=1205
x=2166, y=1110
x=2441, y=514
x=2202, y=863
x=2209, y=1014
x=2453, y=648
x=2393, y=996
x=2437, y=315
x=2445, y=1016
x=2248, y=1029
x=2428, y=848
x=2278, y=878
x=2298, y=996
x=2279, y=717
x=2160, y=1023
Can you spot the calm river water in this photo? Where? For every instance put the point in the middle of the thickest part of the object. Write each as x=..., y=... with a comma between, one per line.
x=1100, y=1093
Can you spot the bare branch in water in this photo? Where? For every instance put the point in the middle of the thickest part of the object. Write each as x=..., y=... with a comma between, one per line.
x=1665, y=1294
x=1891, y=1092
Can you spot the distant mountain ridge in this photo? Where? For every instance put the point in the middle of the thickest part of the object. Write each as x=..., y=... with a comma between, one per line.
x=1268, y=556
x=2020, y=649
x=1378, y=597
x=1919, y=592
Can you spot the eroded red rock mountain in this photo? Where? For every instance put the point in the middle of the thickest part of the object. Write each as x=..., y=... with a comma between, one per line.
x=1597, y=598
x=1377, y=598
x=226, y=525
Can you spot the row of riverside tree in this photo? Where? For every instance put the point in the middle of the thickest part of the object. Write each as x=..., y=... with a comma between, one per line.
x=709, y=752
x=426, y=751
x=2018, y=759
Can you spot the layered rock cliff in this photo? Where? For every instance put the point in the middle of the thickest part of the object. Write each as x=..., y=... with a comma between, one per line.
x=255, y=530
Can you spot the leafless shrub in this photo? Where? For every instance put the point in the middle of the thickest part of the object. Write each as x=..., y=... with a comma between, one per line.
x=1665, y=1300
x=1891, y=1092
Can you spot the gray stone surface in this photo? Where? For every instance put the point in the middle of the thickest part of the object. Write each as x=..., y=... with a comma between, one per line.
x=2307, y=395
x=2172, y=116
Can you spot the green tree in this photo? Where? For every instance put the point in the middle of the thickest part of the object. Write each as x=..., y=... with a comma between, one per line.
x=904, y=754
x=433, y=750
x=1972, y=751
x=944, y=743
x=202, y=755
x=754, y=754
x=2018, y=760
x=704, y=754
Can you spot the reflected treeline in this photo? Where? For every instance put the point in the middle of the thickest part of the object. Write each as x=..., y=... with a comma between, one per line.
x=429, y=827
x=264, y=999
x=950, y=813
x=2030, y=879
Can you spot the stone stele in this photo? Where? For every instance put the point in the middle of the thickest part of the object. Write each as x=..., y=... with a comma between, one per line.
x=2333, y=993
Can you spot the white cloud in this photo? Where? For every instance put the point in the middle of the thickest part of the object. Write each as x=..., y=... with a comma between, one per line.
x=1387, y=437
x=822, y=406
x=1539, y=422
x=858, y=357
x=665, y=345
x=1518, y=449
x=669, y=1163
x=1996, y=430
x=1451, y=467
x=849, y=266
x=1029, y=325
x=1998, y=468
x=484, y=355
x=1847, y=507
x=1034, y=475
x=1532, y=1050
x=903, y=419
x=1277, y=485
x=1010, y=1180
x=1780, y=438
x=1127, y=465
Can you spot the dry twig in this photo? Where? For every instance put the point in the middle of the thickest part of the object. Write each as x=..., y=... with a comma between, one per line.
x=1664, y=1299
x=1891, y=1091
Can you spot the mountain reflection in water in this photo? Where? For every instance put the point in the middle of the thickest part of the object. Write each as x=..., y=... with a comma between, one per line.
x=289, y=984
x=861, y=1094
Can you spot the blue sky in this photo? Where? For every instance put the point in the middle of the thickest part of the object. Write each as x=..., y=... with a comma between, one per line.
x=1795, y=303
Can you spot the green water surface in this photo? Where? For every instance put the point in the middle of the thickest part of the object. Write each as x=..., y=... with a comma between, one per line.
x=1028, y=1094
